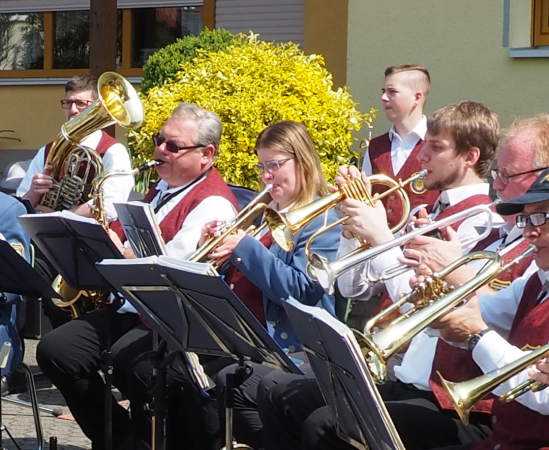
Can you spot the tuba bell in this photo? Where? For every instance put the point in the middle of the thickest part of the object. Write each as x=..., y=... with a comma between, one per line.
x=74, y=165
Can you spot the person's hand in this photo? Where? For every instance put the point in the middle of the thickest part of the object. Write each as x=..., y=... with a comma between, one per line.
x=421, y=219
x=225, y=249
x=40, y=185
x=543, y=374
x=432, y=252
x=368, y=223
x=209, y=230
x=458, y=324
x=115, y=239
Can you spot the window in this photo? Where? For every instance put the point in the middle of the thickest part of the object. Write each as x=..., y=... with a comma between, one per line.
x=57, y=43
x=540, y=23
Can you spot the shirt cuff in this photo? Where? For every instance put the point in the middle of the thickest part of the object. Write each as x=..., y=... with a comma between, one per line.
x=492, y=351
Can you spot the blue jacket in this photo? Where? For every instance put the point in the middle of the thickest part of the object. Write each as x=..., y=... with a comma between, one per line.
x=281, y=274
x=11, y=229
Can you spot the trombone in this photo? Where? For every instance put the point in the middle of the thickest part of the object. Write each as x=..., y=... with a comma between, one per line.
x=464, y=395
x=284, y=226
x=328, y=272
x=434, y=300
x=244, y=220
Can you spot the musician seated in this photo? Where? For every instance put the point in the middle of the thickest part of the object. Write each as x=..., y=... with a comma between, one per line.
x=501, y=328
x=189, y=194
x=461, y=142
x=262, y=274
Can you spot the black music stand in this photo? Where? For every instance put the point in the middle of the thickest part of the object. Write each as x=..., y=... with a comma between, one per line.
x=74, y=247
x=18, y=277
x=360, y=414
x=197, y=313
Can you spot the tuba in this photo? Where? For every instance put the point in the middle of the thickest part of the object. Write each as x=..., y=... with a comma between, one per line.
x=245, y=220
x=81, y=301
x=74, y=165
x=435, y=300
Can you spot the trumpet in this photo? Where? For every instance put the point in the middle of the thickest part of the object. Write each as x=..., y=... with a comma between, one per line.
x=328, y=272
x=284, y=226
x=244, y=220
x=378, y=347
x=464, y=395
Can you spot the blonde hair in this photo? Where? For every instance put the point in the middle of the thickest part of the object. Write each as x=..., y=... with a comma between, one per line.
x=537, y=128
x=418, y=77
x=293, y=139
x=470, y=124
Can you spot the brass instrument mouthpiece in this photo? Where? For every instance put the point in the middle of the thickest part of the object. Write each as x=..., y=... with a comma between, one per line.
x=149, y=165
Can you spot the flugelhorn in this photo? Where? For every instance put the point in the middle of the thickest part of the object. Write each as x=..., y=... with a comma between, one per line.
x=378, y=347
x=284, y=226
x=464, y=395
x=244, y=220
x=328, y=272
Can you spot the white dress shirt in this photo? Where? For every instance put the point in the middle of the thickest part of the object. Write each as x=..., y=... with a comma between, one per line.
x=115, y=189
x=401, y=148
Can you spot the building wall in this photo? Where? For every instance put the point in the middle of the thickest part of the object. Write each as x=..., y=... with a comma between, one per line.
x=34, y=113
x=462, y=45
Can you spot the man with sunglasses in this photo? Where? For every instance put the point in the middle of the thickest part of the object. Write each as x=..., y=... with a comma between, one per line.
x=81, y=92
x=189, y=194
x=509, y=324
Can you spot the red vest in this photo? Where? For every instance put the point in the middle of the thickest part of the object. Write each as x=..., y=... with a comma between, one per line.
x=245, y=290
x=516, y=427
x=479, y=199
x=172, y=223
x=380, y=159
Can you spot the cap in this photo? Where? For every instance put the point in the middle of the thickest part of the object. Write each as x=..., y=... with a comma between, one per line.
x=538, y=192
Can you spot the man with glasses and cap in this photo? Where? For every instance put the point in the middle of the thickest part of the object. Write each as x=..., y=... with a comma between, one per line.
x=189, y=194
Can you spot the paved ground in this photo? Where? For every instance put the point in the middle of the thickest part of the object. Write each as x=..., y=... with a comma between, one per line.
x=20, y=423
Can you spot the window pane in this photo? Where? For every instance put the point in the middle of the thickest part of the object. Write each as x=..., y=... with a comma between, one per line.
x=21, y=41
x=71, y=40
x=154, y=28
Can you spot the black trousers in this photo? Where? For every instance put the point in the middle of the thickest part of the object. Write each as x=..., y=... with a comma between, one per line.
x=247, y=425
x=295, y=416
x=70, y=356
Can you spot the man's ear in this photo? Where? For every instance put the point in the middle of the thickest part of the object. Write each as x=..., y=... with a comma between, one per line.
x=208, y=151
x=472, y=157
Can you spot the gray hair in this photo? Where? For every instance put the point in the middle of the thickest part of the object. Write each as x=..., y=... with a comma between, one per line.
x=209, y=125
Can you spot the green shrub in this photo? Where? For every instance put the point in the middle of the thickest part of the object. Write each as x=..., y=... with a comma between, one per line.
x=250, y=87
x=166, y=62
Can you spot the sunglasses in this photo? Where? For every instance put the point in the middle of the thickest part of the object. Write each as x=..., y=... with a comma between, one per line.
x=172, y=147
x=271, y=166
x=505, y=178
x=536, y=219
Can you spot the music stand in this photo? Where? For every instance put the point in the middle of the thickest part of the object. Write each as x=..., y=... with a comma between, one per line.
x=196, y=313
x=74, y=247
x=336, y=359
x=18, y=277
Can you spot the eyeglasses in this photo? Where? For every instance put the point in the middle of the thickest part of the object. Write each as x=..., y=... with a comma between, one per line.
x=172, y=147
x=80, y=104
x=505, y=178
x=536, y=219
x=271, y=166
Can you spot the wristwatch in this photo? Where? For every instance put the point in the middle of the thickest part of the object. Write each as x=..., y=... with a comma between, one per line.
x=472, y=339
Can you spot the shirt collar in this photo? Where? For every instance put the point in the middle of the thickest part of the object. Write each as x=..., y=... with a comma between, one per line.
x=455, y=195
x=510, y=232
x=419, y=130
x=162, y=185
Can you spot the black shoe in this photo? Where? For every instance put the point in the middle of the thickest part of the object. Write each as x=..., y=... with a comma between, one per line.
x=14, y=383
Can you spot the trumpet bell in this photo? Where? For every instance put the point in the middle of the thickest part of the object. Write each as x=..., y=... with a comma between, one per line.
x=460, y=396
x=373, y=356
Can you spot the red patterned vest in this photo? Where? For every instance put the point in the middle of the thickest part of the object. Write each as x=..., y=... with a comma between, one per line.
x=172, y=223
x=105, y=142
x=516, y=427
x=479, y=199
x=380, y=159
x=246, y=291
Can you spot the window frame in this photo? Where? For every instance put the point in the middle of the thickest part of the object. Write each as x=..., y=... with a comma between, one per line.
x=208, y=21
x=540, y=23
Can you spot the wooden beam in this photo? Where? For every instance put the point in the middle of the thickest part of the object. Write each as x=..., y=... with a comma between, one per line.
x=103, y=21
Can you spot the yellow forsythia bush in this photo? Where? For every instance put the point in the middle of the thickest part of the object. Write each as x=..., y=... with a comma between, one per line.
x=250, y=87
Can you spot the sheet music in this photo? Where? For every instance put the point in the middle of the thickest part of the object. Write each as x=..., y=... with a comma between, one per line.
x=169, y=261
x=141, y=228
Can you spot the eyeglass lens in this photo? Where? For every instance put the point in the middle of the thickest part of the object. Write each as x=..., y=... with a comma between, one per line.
x=80, y=104
x=171, y=146
x=271, y=166
x=536, y=219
